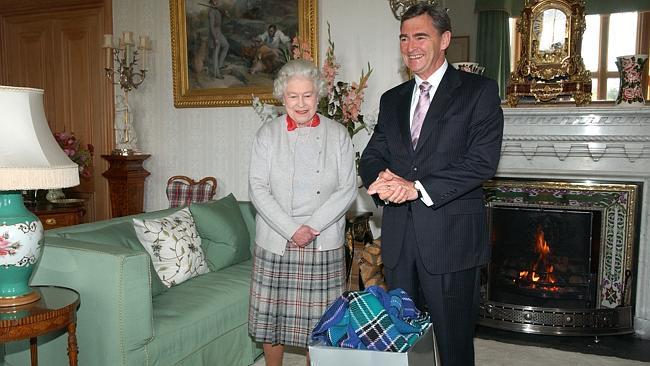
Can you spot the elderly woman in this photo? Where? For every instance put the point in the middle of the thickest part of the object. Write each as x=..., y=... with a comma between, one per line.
x=302, y=181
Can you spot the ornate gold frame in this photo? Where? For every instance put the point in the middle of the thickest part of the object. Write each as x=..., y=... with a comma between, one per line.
x=185, y=97
x=547, y=75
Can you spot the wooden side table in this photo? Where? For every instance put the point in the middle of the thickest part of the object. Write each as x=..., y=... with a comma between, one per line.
x=57, y=309
x=126, y=177
x=59, y=215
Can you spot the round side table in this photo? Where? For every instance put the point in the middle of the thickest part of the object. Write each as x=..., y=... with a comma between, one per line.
x=57, y=309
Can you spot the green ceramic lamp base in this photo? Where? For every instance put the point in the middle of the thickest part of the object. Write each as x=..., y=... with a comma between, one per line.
x=21, y=234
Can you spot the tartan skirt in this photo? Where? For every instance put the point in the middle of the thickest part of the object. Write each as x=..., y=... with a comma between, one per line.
x=289, y=293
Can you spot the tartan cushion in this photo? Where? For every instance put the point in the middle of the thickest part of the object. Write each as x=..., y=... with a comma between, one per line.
x=182, y=194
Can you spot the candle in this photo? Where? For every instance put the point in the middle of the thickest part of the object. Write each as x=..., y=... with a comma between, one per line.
x=127, y=37
x=109, y=57
x=143, y=42
x=108, y=41
x=128, y=54
x=144, y=62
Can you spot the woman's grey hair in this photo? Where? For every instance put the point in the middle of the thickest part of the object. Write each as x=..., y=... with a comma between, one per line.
x=301, y=68
x=438, y=14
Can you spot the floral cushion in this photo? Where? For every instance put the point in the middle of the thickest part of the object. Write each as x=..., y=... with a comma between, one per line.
x=174, y=246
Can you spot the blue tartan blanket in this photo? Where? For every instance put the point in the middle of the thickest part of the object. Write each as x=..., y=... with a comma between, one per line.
x=372, y=319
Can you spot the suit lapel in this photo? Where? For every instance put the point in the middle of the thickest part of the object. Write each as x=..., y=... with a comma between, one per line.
x=404, y=113
x=450, y=81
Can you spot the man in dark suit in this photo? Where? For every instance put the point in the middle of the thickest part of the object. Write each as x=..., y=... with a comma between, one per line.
x=438, y=137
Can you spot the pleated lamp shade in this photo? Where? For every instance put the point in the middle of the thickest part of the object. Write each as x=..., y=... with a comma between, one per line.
x=30, y=157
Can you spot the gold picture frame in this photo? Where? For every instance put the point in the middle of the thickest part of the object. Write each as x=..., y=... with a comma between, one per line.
x=246, y=70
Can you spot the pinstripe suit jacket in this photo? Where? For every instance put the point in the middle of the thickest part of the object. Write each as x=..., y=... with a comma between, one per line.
x=458, y=149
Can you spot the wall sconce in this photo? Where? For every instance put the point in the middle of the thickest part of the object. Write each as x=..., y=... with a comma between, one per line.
x=121, y=63
x=399, y=6
x=126, y=57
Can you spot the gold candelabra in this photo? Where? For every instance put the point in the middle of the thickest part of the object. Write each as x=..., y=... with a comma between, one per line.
x=123, y=60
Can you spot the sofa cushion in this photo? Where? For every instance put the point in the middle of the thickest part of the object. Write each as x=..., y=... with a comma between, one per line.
x=123, y=234
x=174, y=246
x=248, y=212
x=223, y=231
x=191, y=315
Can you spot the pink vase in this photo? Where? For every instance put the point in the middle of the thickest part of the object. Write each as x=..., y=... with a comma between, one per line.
x=630, y=69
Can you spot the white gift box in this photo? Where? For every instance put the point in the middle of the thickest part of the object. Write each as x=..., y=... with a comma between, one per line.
x=423, y=353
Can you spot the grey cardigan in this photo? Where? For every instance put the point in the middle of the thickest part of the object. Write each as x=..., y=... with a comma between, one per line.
x=270, y=181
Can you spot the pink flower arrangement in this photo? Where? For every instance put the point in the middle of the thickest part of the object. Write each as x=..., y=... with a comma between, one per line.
x=80, y=154
x=343, y=100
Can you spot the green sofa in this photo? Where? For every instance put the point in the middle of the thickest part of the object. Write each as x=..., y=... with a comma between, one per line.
x=127, y=317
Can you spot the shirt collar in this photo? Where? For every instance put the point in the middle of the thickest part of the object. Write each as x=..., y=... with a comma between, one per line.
x=292, y=125
x=434, y=79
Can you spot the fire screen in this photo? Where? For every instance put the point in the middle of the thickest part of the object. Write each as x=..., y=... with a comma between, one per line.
x=563, y=257
x=544, y=257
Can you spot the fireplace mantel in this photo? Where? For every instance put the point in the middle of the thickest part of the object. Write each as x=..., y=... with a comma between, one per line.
x=586, y=143
x=580, y=132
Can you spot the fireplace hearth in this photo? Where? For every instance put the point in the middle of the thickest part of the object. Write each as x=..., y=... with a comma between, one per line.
x=562, y=257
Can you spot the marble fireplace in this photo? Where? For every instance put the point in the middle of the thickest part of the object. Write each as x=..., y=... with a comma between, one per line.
x=553, y=147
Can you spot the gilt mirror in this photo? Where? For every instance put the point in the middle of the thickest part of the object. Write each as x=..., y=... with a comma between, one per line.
x=550, y=65
x=549, y=34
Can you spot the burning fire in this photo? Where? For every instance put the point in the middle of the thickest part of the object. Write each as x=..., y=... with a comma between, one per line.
x=540, y=275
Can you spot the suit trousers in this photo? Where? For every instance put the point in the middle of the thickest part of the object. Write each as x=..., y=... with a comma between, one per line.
x=452, y=299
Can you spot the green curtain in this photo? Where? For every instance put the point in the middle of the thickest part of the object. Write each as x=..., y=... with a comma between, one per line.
x=514, y=7
x=493, y=46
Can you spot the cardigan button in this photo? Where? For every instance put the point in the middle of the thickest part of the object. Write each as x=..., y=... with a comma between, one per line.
x=317, y=192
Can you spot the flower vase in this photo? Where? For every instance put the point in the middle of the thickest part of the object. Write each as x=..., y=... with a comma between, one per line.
x=630, y=69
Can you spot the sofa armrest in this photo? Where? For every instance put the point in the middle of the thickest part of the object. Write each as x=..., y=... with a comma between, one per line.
x=115, y=317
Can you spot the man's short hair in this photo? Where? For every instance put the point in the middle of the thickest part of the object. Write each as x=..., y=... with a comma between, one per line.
x=438, y=15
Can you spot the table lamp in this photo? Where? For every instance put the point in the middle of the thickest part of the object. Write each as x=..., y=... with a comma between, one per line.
x=30, y=158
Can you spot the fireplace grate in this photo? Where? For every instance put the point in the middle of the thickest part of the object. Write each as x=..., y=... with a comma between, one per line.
x=557, y=321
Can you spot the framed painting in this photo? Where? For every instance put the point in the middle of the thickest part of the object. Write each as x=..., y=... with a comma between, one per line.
x=458, y=50
x=225, y=51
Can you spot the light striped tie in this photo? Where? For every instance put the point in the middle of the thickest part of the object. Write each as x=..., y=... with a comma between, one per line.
x=420, y=111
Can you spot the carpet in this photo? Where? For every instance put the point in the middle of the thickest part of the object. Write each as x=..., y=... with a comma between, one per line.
x=493, y=353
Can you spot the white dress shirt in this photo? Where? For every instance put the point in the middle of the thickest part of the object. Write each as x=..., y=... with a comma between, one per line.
x=434, y=80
